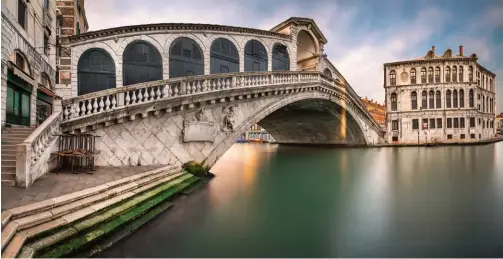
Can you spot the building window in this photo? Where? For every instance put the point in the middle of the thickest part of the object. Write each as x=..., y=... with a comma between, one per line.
x=487, y=104
x=472, y=136
x=393, y=102
x=224, y=57
x=392, y=77
x=432, y=123
x=423, y=75
x=448, y=99
x=255, y=57
x=413, y=76
x=461, y=76
x=439, y=100
x=185, y=59
x=470, y=74
x=470, y=96
x=456, y=122
x=462, y=123
x=447, y=74
x=462, y=136
x=327, y=72
x=472, y=122
x=430, y=75
x=77, y=29
x=425, y=123
x=437, y=74
x=394, y=125
x=449, y=136
x=57, y=75
x=21, y=13
x=454, y=74
x=432, y=99
x=46, y=45
x=415, y=124
x=280, y=58
x=483, y=104
x=480, y=121
x=424, y=98
x=20, y=62
x=95, y=71
x=439, y=123
x=461, y=98
x=141, y=62
x=413, y=96
x=455, y=99
x=449, y=123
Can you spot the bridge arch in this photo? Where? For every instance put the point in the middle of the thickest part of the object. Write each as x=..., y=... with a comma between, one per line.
x=280, y=57
x=186, y=58
x=256, y=57
x=204, y=48
x=95, y=71
x=141, y=62
x=146, y=38
x=224, y=56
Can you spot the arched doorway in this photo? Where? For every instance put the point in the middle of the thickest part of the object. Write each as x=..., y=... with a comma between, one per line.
x=280, y=57
x=307, y=51
x=224, y=57
x=96, y=72
x=185, y=58
x=255, y=57
x=141, y=63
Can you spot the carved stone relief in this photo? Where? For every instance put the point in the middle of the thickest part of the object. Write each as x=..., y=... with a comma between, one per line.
x=229, y=121
x=199, y=129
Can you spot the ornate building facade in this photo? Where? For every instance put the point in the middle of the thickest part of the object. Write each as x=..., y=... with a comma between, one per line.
x=377, y=110
x=448, y=98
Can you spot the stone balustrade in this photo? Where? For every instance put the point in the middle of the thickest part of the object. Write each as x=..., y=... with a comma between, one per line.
x=108, y=100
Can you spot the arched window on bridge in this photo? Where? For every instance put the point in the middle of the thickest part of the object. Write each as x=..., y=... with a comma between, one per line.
x=455, y=99
x=280, y=57
x=255, y=57
x=413, y=97
x=95, y=72
x=393, y=102
x=448, y=99
x=424, y=100
x=432, y=99
x=142, y=62
x=185, y=58
x=439, y=100
x=327, y=72
x=224, y=57
x=470, y=97
x=461, y=98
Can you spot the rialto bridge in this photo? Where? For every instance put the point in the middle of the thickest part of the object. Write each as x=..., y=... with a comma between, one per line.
x=171, y=93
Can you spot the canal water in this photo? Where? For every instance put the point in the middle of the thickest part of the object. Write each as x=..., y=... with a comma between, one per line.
x=284, y=201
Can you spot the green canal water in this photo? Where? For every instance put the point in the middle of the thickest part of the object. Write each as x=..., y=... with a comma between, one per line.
x=285, y=201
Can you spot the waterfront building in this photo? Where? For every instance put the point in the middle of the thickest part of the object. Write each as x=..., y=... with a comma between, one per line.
x=499, y=122
x=377, y=110
x=71, y=21
x=447, y=98
x=256, y=134
x=28, y=61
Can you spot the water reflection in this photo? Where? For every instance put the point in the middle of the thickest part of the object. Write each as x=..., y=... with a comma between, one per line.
x=282, y=201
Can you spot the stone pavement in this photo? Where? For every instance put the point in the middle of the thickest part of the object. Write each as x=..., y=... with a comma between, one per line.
x=53, y=185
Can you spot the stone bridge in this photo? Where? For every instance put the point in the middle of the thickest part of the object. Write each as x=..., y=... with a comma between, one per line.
x=170, y=93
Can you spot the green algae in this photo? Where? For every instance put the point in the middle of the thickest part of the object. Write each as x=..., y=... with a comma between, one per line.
x=157, y=195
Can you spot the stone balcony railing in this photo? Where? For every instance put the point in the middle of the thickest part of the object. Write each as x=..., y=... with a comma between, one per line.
x=103, y=102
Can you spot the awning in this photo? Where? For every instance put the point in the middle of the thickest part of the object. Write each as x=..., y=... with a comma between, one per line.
x=20, y=73
x=46, y=91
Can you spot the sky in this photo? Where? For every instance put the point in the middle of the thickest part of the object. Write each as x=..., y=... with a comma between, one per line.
x=362, y=35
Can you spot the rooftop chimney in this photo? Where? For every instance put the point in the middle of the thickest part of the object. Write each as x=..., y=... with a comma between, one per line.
x=461, y=50
x=433, y=49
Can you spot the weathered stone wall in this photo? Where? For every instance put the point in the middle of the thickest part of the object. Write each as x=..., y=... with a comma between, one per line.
x=159, y=139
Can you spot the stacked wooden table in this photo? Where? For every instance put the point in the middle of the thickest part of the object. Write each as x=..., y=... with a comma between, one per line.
x=76, y=152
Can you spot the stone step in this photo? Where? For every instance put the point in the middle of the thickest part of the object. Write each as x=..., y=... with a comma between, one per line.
x=8, y=168
x=8, y=182
x=8, y=156
x=8, y=162
x=8, y=148
x=114, y=218
x=34, y=214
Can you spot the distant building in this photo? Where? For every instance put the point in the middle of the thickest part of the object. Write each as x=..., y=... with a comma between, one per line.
x=499, y=121
x=448, y=98
x=378, y=111
x=71, y=21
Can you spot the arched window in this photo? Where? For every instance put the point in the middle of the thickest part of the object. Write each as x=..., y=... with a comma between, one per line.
x=461, y=75
x=413, y=97
x=255, y=57
x=423, y=75
x=45, y=81
x=280, y=57
x=141, y=63
x=437, y=74
x=96, y=72
x=224, y=57
x=413, y=76
x=327, y=72
x=392, y=77
x=447, y=73
x=448, y=99
x=185, y=58
x=424, y=98
x=454, y=74
x=470, y=74
x=455, y=99
x=393, y=102
x=22, y=63
x=432, y=99
x=470, y=97
x=430, y=75
x=439, y=99
x=487, y=102
x=461, y=98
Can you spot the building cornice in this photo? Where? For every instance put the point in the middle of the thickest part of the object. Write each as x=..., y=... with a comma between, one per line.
x=426, y=61
x=302, y=21
x=170, y=27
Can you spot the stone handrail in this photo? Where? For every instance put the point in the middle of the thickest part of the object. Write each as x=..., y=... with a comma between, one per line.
x=34, y=145
x=112, y=99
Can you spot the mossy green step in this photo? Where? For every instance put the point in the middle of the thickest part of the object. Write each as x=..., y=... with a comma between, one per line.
x=100, y=231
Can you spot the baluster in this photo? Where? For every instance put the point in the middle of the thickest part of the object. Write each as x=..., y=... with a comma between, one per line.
x=218, y=84
x=107, y=103
x=127, y=98
x=133, y=98
x=158, y=92
x=66, y=114
x=102, y=104
x=146, y=98
x=114, y=102
x=202, y=85
x=195, y=87
x=176, y=90
x=78, y=110
x=84, y=108
x=140, y=96
x=152, y=93
x=163, y=90
x=95, y=105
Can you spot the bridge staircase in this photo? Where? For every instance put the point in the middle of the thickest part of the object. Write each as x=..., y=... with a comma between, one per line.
x=11, y=137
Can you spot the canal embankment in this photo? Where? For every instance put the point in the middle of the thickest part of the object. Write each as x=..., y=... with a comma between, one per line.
x=85, y=222
x=444, y=143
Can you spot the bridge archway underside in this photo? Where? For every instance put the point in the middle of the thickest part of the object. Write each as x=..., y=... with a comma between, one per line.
x=196, y=122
